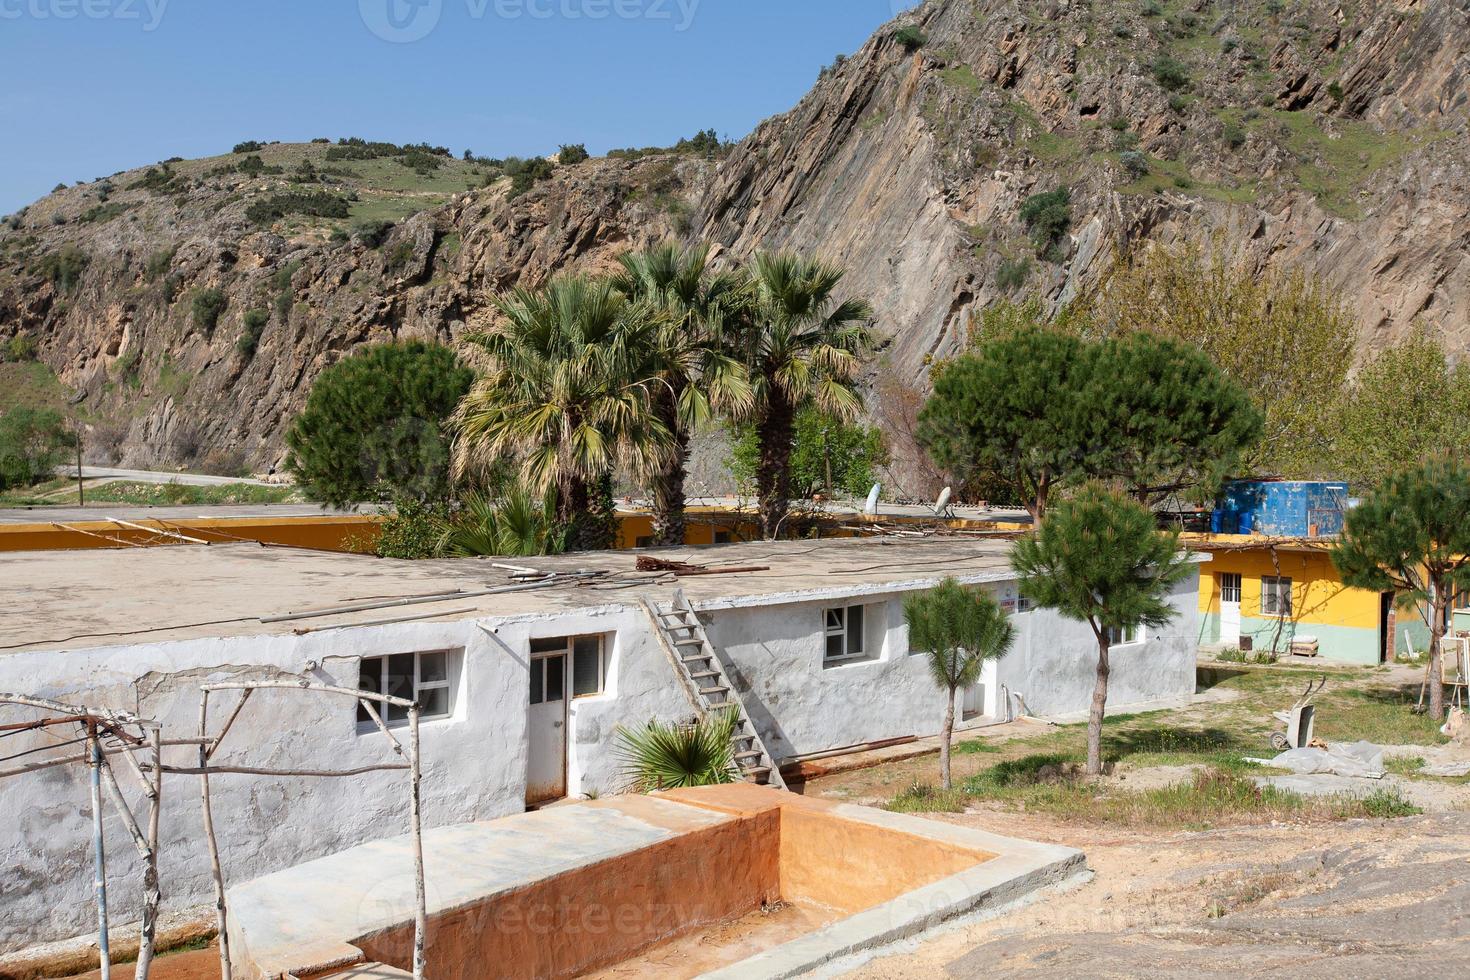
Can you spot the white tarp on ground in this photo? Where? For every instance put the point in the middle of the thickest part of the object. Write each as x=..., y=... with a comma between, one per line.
x=1358, y=759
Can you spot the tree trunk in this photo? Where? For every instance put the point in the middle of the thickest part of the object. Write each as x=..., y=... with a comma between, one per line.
x=1099, y=707
x=668, y=483
x=773, y=474
x=1036, y=506
x=1436, y=655
x=599, y=523
x=944, y=739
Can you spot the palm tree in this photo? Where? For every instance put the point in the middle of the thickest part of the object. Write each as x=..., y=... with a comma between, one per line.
x=664, y=756
x=801, y=346
x=515, y=524
x=959, y=629
x=696, y=374
x=567, y=391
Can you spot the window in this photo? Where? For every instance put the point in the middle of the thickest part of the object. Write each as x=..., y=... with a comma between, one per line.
x=1275, y=596
x=1230, y=587
x=844, y=631
x=421, y=677
x=724, y=537
x=1124, y=637
x=1023, y=604
x=643, y=541
x=588, y=667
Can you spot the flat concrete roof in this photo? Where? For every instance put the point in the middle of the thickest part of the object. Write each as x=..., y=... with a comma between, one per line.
x=186, y=512
x=84, y=599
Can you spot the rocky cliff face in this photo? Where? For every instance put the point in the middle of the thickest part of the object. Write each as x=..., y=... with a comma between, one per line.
x=1329, y=136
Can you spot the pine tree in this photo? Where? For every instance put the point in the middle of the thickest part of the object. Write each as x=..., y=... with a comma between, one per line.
x=1412, y=537
x=960, y=630
x=1099, y=558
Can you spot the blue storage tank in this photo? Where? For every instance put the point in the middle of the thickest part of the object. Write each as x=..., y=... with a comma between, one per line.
x=1281, y=508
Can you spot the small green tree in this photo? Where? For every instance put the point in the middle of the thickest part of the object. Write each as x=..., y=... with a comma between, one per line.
x=377, y=419
x=960, y=630
x=33, y=441
x=668, y=756
x=1411, y=537
x=1099, y=558
x=572, y=154
x=207, y=306
x=1048, y=215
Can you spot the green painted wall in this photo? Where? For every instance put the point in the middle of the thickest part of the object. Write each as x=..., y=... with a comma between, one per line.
x=1342, y=643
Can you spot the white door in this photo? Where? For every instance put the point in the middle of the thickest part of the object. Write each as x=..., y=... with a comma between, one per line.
x=546, y=771
x=1229, y=608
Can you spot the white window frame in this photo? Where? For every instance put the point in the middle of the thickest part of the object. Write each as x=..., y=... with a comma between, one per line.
x=1278, y=587
x=1131, y=637
x=451, y=667
x=1238, y=587
x=570, y=651
x=844, y=630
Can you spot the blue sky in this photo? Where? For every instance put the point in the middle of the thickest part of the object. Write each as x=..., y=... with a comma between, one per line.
x=89, y=87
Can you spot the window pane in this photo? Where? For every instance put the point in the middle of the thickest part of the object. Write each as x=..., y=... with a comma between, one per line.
x=394, y=713
x=854, y=629
x=433, y=667
x=586, y=665
x=369, y=679
x=537, y=694
x=434, y=701
x=834, y=620
x=836, y=646
x=555, y=678
x=549, y=644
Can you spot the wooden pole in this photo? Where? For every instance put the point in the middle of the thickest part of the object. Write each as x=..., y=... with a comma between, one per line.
x=420, y=912
x=214, y=864
x=81, y=493
x=99, y=851
x=152, y=887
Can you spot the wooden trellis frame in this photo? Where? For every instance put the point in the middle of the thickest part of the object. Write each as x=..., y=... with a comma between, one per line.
x=95, y=726
x=209, y=745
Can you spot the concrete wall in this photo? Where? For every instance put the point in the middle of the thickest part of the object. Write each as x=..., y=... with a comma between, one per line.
x=475, y=762
x=474, y=766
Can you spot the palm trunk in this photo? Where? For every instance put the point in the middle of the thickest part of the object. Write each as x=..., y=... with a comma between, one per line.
x=773, y=476
x=668, y=484
x=1436, y=656
x=944, y=739
x=571, y=509
x=600, y=522
x=1099, y=707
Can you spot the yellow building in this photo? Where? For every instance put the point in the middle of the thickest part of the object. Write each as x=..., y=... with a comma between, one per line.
x=1267, y=593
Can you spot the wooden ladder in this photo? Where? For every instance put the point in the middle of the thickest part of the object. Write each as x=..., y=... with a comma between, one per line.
x=702, y=673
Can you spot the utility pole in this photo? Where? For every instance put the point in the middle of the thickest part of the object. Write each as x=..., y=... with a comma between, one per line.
x=81, y=493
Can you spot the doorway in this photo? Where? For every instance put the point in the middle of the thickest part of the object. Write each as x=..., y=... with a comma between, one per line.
x=1385, y=627
x=546, y=768
x=1230, y=608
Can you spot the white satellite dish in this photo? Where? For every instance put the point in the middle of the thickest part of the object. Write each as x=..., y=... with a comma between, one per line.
x=871, y=507
x=941, y=506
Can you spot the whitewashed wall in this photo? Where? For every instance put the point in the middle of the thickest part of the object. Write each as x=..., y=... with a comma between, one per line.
x=475, y=762
x=474, y=766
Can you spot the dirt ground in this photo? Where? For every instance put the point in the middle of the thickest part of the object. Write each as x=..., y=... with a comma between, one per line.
x=1364, y=898
x=1343, y=899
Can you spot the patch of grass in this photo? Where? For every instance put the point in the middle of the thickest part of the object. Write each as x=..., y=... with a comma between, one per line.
x=1380, y=715
x=962, y=77
x=1404, y=765
x=975, y=746
x=927, y=798
x=1382, y=804
x=33, y=384
x=155, y=494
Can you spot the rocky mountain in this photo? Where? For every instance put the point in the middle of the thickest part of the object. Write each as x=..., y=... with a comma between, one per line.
x=188, y=306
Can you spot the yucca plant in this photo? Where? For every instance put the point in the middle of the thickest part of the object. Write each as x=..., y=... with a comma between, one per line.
x=659, y=755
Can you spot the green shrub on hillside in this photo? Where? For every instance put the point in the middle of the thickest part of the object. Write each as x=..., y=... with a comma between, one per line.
x=572, y=154
x=911, y=37
x=1170, y=73
x=1134, y=164
x=21, y=347
x=1048, y=215
x=249, y=146
x=254, y=322
x=65, y=266
x=317, y=204
x=206, y=307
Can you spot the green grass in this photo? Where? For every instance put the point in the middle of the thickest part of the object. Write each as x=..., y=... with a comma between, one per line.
x=167, y=494
x=975, y=746
x=925, y=798
x=33, y=384
x=1380, y=715
x=1335, y=166
x=963, y=78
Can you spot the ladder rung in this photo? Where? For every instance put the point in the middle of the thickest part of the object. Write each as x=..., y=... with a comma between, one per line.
x=671, y=627
x=701, y=674
x=689, y=641
x=717, y=689
x=696, y=658
x=752, y=754
x=755, y=770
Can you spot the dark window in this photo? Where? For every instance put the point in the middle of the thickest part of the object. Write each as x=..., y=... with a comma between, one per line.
x=422, y=677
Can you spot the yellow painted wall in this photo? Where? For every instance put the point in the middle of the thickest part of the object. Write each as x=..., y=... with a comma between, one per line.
x=337, y=533
x=1318, y=595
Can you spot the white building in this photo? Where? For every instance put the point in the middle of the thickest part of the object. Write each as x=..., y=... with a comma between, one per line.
x=525, y=688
